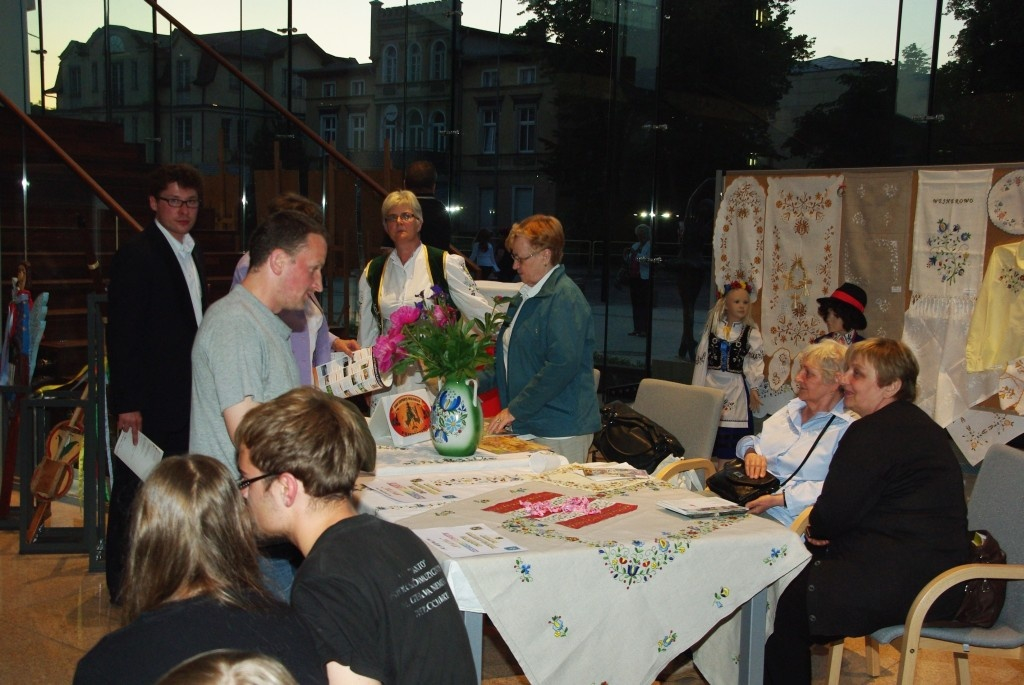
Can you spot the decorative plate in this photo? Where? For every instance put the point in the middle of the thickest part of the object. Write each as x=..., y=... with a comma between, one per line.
x=1006, y=202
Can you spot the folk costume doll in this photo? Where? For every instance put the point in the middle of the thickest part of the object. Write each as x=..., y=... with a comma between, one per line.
x=843, y=314
x=730, y=357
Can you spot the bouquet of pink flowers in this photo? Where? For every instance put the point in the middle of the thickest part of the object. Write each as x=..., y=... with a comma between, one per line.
x=431, y=333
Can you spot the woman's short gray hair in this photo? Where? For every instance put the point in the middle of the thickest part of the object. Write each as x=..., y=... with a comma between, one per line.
x=828, y=356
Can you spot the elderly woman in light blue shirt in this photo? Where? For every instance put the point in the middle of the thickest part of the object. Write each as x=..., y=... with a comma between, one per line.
x=788, y=435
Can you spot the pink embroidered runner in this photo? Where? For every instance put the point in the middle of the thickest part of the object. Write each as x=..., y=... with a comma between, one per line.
x=571, y=512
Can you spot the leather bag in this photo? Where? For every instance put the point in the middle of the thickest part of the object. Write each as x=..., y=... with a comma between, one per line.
x=733, y=483
x=628, y=436
x=983, y=597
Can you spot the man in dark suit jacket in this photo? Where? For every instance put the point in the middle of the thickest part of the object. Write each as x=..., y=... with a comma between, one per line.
x=157, y=295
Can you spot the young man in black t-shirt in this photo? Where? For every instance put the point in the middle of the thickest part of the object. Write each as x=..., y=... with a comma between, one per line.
x=374, y=596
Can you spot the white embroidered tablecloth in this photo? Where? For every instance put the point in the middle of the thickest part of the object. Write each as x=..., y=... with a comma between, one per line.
x=946, y=270
x=616, y=599
x=802, y=260
x=739, y=234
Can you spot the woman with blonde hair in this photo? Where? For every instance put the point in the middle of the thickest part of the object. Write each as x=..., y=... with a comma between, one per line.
x=400, y=278
x=192, y=583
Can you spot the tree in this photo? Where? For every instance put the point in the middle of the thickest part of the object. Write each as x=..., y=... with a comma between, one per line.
x=980, y=93
x=861, y=126
x=655, y=96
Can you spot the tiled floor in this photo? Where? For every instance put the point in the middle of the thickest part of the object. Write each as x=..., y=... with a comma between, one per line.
x=52, y=611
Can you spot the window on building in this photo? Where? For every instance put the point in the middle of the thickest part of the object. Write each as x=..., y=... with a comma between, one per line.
x=135, y=74
x=329, y=89
x=488, y=130
x=233, y=83
x=438, y=139
x=95, y=77
x=389, y=134
x=225, y=132
x=117, y=83
x=75, y=76
x=489, y=78
x=414, y=130
x=183, y=133
x=357, y=131
x=438, y=58
x=526, y=128
x=183, y=74
x=414, y=70
x=389, y=65
x=522, y=202
x=488, y=208
x=329, y=127
x=357, y=87
x=527, y=75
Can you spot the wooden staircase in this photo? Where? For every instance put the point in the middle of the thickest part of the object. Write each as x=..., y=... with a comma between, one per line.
x=64, y=224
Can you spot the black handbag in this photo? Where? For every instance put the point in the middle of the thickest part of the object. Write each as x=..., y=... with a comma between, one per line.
x=733, y=483
x=628, y=436
x=983, y=597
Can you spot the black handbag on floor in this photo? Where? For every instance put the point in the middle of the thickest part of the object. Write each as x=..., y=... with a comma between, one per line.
x=628, y=436
x=733, y=483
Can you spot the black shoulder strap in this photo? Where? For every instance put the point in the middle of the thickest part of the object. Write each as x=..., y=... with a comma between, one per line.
x=374, y=272
x=808, y=456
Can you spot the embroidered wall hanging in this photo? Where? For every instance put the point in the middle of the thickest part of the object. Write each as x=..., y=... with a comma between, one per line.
x=996, y=334
x=874, y=245
x=946, y=268
x=1006, y=202
x=802, y=260
x=739, y=234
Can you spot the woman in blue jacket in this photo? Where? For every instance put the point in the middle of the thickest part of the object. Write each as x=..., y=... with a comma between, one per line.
x=544, y=362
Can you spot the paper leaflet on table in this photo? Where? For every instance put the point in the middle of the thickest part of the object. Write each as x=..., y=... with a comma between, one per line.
x=414, y=490
x=141, y=458
x=468, y=541
x=345, y=377
x=702, y=507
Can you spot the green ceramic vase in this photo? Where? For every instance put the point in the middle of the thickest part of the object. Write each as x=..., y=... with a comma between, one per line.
x=456, y=419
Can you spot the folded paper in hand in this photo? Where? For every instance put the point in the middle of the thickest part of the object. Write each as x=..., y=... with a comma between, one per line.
x=141, y=458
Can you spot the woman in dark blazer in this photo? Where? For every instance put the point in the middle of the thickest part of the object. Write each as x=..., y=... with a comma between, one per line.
x=891, y=516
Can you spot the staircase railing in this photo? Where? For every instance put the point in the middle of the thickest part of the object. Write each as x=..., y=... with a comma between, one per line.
x=75, y=167
x=267, y=98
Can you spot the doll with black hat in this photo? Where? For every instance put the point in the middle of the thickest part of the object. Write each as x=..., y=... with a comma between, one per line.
x=843, y=314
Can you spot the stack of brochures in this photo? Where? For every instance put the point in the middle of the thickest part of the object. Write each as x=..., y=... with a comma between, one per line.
x=703, y=507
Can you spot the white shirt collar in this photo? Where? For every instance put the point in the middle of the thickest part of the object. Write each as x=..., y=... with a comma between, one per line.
x=528, y=291
x=183, y=246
